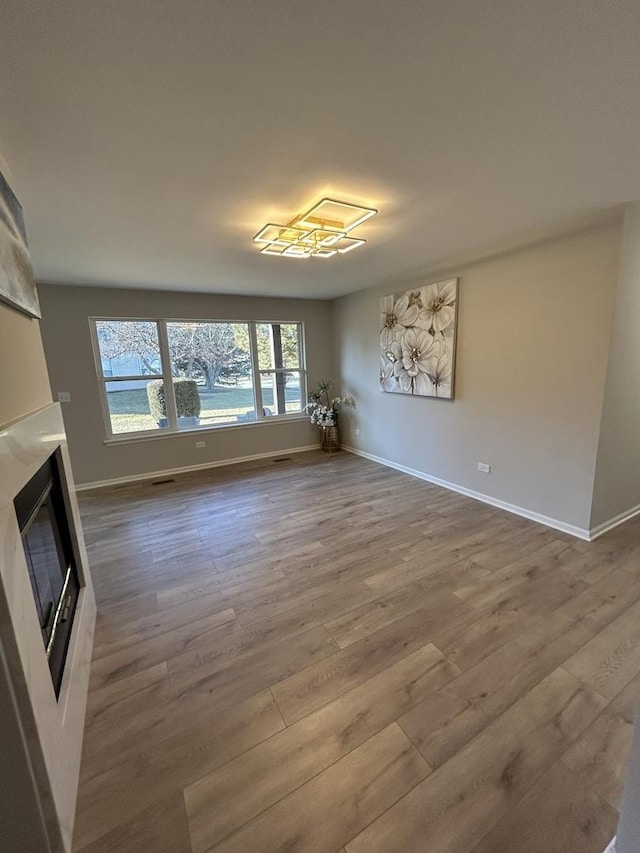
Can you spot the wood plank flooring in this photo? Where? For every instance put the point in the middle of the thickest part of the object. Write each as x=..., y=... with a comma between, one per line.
x=321, y=655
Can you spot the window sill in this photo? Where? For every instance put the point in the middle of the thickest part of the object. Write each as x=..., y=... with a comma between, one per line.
x=132, y=437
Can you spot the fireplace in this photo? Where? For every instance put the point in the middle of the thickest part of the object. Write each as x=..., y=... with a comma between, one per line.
x=46, y=538
x=46, y=603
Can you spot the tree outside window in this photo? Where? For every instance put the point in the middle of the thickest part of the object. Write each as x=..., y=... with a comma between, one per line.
x=218, y=358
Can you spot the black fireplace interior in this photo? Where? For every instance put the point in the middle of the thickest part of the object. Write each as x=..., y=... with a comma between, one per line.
x=46, y=536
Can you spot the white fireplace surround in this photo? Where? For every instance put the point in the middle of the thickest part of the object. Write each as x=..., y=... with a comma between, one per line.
x=52, y=728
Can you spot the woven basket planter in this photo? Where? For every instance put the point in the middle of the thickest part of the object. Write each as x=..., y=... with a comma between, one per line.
x=330, y=440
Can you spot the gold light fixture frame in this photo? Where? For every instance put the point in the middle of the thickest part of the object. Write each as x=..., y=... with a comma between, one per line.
x=322, y=232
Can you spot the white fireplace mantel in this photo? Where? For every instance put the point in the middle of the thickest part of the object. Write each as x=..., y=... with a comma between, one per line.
x=52, y=728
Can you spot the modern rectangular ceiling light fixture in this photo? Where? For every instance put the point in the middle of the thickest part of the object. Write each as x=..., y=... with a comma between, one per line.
x=323, y=237
x=296, y=251
x=273, y=249
x=346, y=244
x=322, y=232
x=281, y=235
x=339, y=214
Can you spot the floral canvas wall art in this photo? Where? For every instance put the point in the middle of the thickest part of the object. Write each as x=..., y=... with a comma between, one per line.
x=418, y=340
x=17, y=285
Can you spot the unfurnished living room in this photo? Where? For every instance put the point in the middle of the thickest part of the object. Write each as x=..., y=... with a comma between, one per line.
x=340, y=556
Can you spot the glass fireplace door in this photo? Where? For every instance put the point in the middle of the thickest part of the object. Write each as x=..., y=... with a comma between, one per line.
x=46, y=563
x=46, y=537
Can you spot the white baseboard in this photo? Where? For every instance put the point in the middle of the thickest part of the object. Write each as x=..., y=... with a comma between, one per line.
x=612, y=846
x=572, y=530
x=627, y=515
x=168, y=472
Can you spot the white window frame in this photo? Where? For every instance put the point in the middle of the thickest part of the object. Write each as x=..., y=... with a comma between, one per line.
x=172, y=429
x=274, y=371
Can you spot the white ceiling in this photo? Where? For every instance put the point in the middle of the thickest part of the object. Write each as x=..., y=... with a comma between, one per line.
x=149, y=139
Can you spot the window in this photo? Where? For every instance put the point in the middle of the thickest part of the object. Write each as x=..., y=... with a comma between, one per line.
x=221, y=373
x=278, y=346
x=217, y=356
x=129, y=354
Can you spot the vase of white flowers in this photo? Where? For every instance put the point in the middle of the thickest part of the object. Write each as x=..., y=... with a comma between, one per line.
x=323, y=411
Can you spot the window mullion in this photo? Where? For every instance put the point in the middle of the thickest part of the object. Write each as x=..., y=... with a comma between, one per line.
x=104, y=400
x=302, y=364
x=167, y=376
x=279, y=395
x=255, y=365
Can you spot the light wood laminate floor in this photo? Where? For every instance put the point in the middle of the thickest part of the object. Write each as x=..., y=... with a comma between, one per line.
x=320, y=654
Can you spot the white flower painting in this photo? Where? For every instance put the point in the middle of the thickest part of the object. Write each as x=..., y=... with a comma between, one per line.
x=17, y=285
x=418, y=340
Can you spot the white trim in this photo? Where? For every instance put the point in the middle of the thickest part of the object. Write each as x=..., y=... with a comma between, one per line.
x=627, y=515
x=151, y=475
x=572, y=530
x=611, y=848
x=163, y=433
x=165, y=364
x=255, y=369
x=170, y=404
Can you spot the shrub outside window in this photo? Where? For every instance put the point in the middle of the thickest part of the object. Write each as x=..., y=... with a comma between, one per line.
x=212, y=365
x=217, y=357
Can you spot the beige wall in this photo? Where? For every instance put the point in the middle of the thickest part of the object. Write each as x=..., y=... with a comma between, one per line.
x=65, y=329
x=617, y=481
x=533, y=336
x=25, y=384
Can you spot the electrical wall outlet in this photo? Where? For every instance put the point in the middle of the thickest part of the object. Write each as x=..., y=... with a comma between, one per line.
x=201, y=443
x=64, y=397
x=482, y=466
x=356, y=431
